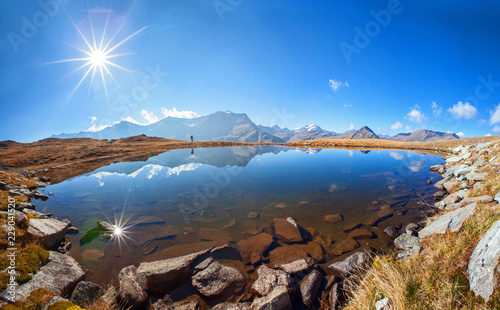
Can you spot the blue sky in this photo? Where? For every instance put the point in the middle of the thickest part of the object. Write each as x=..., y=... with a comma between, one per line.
x=403, y=64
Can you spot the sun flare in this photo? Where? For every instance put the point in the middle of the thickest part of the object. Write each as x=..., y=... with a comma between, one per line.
x=97, y=54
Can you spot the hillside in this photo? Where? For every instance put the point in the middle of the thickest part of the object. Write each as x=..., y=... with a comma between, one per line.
x=422, y=135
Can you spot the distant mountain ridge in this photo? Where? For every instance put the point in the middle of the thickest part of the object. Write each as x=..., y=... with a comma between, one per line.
x=229, y=126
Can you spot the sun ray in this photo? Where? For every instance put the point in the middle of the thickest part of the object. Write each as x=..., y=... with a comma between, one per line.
x=126, y=39
x=117, y=66
x=79, y=83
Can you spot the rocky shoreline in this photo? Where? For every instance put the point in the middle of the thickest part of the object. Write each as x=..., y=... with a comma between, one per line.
x=281, y=270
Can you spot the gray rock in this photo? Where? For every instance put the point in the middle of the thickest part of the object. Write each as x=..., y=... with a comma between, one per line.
x=294, y=267
x=439, y=185
x=453, y=206
x=439, y=194
x=336, y=296
x=60, y=275
x=133, y=287
x=21, y=220
x=451, y=198
x=165, y=275
x=497, y=197
x=451, y=170
x=383, y=304
x=406, y=242
x=391, y=231
x=451, y=221
x=309, y=287
x=436, y=168
x=231, y=306
x=268, y=279
x=462, y=193
x=86, y=293
x=473, y=176
x=478, y=185
x=409, y=252
x=453, y=160
x=350, y=264
x=73, y=230
x=484, y=199
x=50, y=231
x=214, y=278
x=165, y=303
x=277, y=299
x=26, y=205
x=483, y=263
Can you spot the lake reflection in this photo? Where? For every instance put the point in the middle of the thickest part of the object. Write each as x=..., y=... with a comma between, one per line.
x=172, y=202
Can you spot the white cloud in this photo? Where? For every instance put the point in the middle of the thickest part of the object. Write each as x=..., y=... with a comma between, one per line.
x=460, y=134
x=495, y=115
x=436, y=109
x=351, y=127
x=408, y=128
x=461, y=110
x=149, y=116
x=96, y=127
x=488, y=135
x=415, y=166
x=396, y=126
x=335, y=85
x=496, y=129
x=415, y=115
x=179, y=114
x=346, y=105
x=131, y=120
x=396, y=155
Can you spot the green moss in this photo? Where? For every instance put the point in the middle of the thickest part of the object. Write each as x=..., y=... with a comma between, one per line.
x=63, y=305
x=24, y=278
x=11, y=307
x=4, y=279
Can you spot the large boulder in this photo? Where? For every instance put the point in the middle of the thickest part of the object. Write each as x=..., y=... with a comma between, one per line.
x=296, y=266
x=350, y=264
x=86, y=293
x=277, y=299
x=252, y=249
x=344, y=246
x=268, y=279
x=287, y=230
x=483, y=263
x=451, y=221
x=60, y=276
x=133, y=287
x=50, y=231
x=213, y=279
x=165, y=275
x=309, y=287
x=286, y=254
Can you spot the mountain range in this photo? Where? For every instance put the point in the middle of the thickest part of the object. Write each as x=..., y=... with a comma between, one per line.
x=229, y=126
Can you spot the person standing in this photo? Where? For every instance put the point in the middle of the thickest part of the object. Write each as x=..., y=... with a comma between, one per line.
x=192, y=138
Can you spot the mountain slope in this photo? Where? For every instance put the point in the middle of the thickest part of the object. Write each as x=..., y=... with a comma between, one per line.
x=219, y=126
x=423, y=135
x=363, y=133
x=309, y=132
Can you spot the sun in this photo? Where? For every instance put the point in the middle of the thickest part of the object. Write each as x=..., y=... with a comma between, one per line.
x=97, y=55
x=98, y=58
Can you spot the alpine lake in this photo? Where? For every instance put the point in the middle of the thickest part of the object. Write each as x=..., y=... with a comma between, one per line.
x=183, y=201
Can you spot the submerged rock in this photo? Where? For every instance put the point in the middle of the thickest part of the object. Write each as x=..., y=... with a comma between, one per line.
x=391, y=231
x=344, y=246
x=360, y=233
x=333, y=218
x=252, y=249
x=268, y=279
x=483, y=263
x=213, y=279
x=451, y=221
x=287, y=230
x=285, y=254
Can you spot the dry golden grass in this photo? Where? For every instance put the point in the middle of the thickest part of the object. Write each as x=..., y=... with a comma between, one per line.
x=433, y=279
